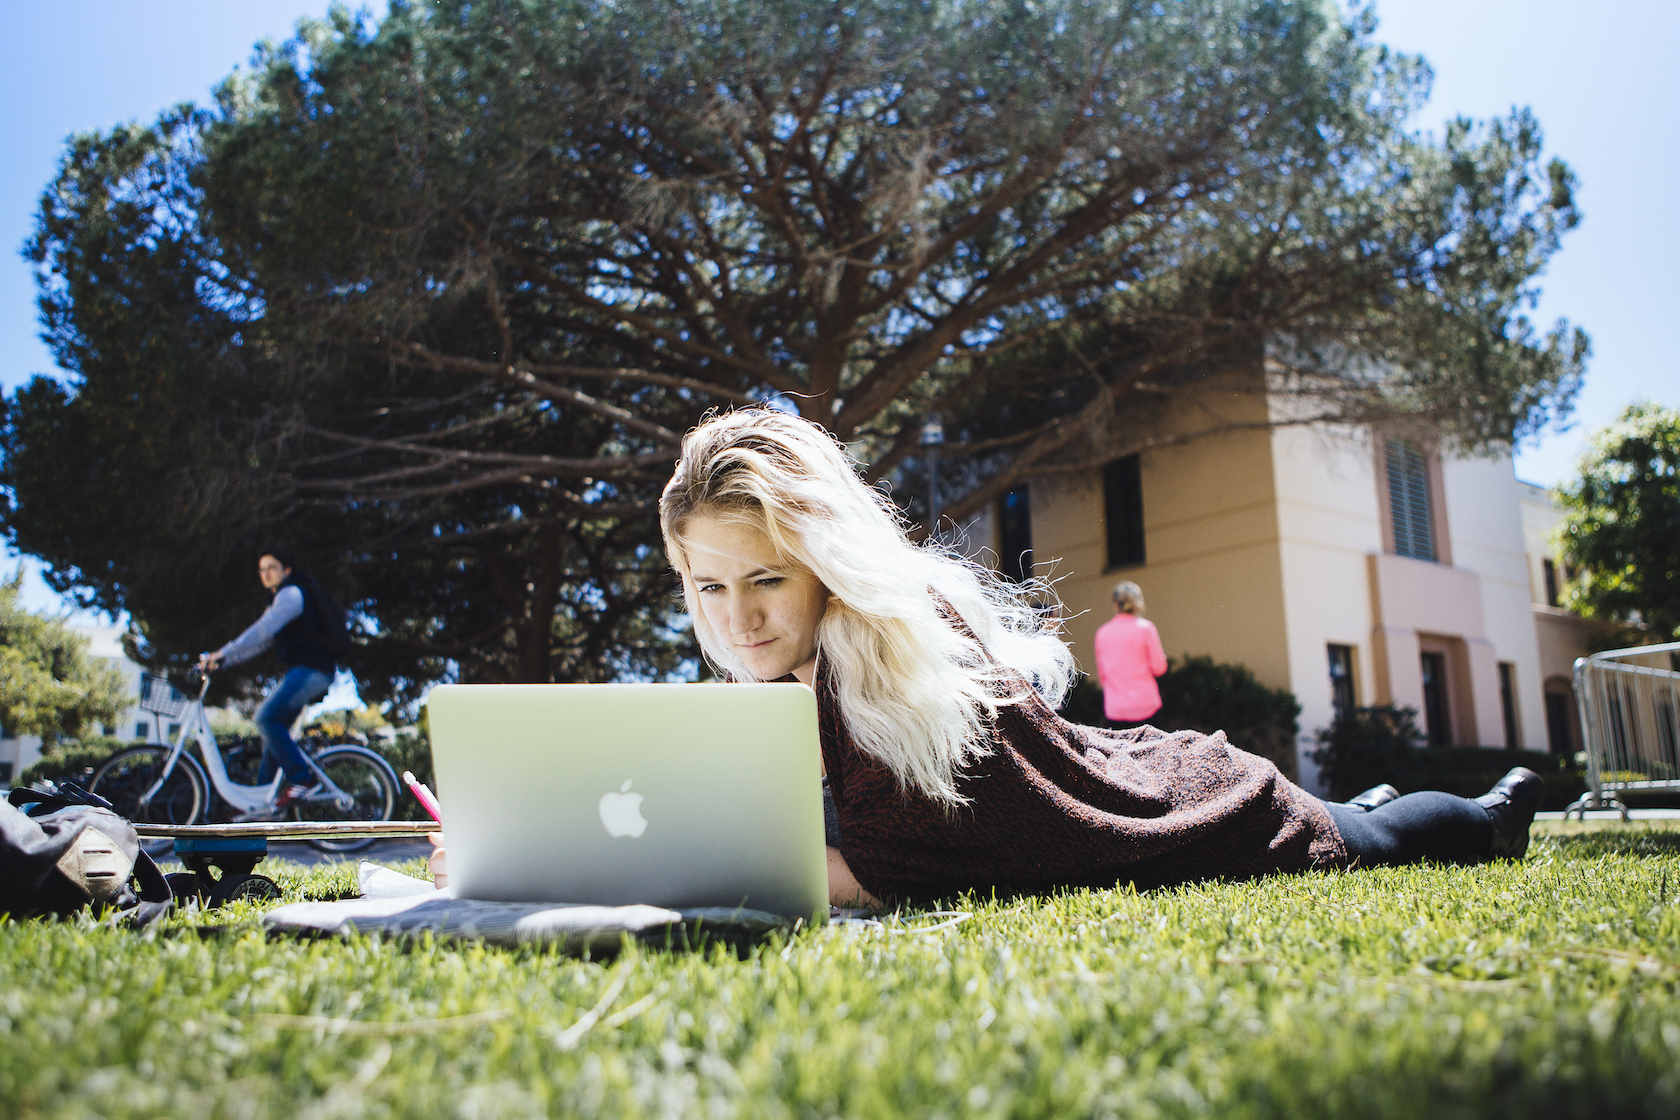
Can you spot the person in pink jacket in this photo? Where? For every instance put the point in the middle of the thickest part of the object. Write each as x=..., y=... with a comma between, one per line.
x=1129, y=658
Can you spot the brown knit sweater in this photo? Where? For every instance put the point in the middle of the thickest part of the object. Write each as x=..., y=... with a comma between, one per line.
x=1056, y=804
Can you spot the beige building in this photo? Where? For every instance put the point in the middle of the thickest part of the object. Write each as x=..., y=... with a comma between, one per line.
x=1347, y=566
x=1562, y=636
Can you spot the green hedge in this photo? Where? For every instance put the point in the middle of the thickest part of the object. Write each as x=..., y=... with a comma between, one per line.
x=413, y=753
x=1368, y=746
x=75, y=759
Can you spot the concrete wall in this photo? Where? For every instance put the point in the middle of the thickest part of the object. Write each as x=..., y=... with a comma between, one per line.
x=1422, y=606
x=17, y=754
x=1540, y=519
x=1342, y=586
x=1212, y=580
x=1485, y=520
x=1560, y=635
x=1328, y=526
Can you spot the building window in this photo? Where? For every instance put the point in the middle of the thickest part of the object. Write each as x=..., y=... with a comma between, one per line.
x=1558, y=723
x=1435, y=721
x=1408, y=499
x=1341, y=679
x=1015, y=534
x=1508, y=703
x=1549, y=566
x=143, y=730
x=174, y=730
x=5, y=772
x=1123, y=511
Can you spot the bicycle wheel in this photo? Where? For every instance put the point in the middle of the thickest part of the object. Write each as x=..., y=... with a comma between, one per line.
x=129, y=774
x=369, y=782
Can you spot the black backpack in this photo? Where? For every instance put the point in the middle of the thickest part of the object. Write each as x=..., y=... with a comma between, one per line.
x=334, y=625
x=70, y=851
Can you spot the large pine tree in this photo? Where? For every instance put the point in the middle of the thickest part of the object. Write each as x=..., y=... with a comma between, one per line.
x=436, y=299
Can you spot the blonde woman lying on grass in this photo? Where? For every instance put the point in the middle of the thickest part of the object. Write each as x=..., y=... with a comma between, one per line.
x=946, y=767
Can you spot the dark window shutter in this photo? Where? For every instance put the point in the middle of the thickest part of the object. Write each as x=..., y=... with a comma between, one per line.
x=1408, y=500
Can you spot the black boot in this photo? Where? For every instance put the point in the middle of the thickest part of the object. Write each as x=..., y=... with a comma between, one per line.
x=1511, y=804
x=1373, y=797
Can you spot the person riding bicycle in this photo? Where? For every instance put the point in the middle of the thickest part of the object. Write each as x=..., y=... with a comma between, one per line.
x=298, y=621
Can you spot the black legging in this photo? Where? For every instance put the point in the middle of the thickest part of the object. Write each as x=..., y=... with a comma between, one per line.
x=1418, y=826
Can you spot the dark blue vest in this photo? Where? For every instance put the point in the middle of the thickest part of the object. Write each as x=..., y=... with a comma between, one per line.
x=299, y=641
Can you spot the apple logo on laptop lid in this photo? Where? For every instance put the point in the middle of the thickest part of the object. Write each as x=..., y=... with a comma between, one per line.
x=621, y=812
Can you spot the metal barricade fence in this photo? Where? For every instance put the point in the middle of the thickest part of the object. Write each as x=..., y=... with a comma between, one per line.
x=1629, y=701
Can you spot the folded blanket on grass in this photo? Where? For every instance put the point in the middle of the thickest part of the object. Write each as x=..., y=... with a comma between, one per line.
x=397, y=905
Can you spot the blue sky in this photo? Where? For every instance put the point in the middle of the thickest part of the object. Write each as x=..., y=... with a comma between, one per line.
x=1600, y=78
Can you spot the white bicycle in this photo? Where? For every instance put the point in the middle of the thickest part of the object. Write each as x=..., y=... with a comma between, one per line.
x=166, y=785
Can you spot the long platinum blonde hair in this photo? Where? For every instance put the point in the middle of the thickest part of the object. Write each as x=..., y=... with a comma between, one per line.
x=916, y=692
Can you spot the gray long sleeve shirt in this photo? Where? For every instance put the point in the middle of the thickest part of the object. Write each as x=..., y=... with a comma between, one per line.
x=287, y=606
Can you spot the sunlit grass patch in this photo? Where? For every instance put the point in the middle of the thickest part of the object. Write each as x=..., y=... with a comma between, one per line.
x=1547, y=986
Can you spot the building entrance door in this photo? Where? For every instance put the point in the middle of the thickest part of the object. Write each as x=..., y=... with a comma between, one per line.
x=1558, y=722
x=1437, y=724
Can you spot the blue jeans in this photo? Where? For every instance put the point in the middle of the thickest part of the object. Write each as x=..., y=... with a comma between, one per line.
x=299, y=688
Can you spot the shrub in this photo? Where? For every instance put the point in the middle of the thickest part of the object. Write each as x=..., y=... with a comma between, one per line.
x=229, y=723
x=1201, y=694
x=408, y=752
x=405, y=751
x=1364, y=747
x=75, y=759
x=348, y=725
x=1368, y=746
x=50, y=685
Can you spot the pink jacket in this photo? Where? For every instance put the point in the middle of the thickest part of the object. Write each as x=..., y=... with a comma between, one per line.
x=1129, y=658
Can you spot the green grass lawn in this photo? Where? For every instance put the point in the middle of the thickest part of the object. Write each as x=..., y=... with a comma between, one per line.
x=1546, y=988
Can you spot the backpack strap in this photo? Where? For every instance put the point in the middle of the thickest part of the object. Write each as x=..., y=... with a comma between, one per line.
x=55, y=796
x=156, y=897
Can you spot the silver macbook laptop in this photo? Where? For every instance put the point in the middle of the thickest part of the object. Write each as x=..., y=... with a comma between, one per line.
x=677, y=795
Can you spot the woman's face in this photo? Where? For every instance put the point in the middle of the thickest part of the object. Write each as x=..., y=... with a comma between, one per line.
x=271, y=572
x=764, y=609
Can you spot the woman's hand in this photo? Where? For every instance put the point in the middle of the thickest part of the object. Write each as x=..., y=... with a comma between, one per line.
x=437, y=863
x=843, y=887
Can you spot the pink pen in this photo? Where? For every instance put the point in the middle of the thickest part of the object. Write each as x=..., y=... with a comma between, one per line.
x=423, y=795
